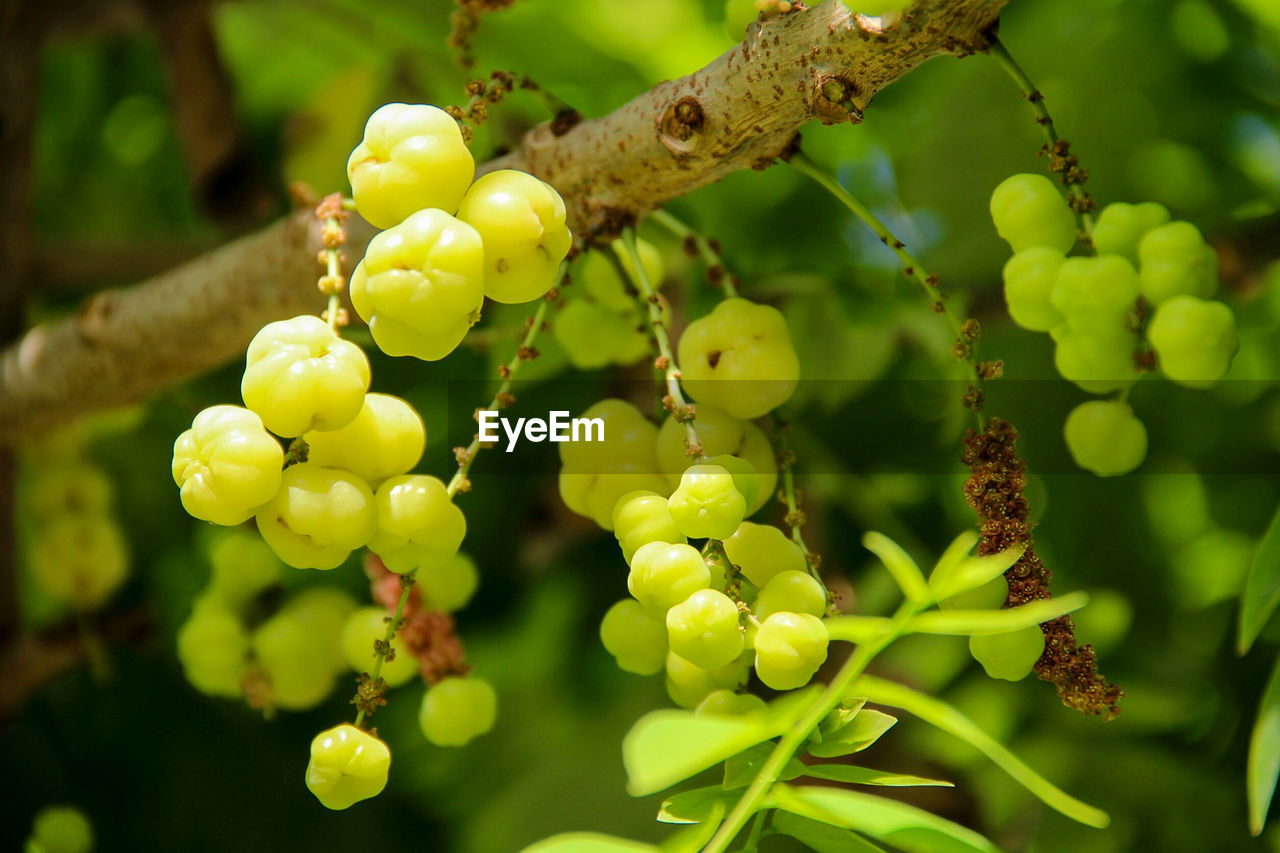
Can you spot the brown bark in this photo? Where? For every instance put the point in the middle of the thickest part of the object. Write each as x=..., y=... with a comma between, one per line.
x=741, y=111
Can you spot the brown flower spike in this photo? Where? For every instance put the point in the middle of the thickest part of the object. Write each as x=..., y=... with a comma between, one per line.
x=997, y=476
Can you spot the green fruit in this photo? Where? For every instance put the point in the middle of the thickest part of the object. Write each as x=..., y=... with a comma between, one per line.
x=1029, y=277
x=637, y=641
x=458, y=710
x=1195, y=340
x=688, y=684
x=790, y=647
x=62, y=829
x=1176, y=261
x=1028, y=211
x=992, y=595
x=703, y=629
x=1010, y=656
x=664, y=575
x=722, y=435
x=448, y=585
x=793, y=591
x=1095, y=294
x=726, y=703
x=347, y=765
x=642, y=517
x=243, y=566
x=706, y=505
x=761, y=551
x=1104, y=437
x=212, y=648
x=1098, y=364
x=1121, y=227
x=363, y=629
x=739, y=358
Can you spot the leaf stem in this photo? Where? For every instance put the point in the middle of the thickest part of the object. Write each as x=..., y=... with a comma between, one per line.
x=794, y=737
x=966, y=340
x=717, y=272
x=666, y=357
x=524, y=352
x=1074, y=188
x=406, y=587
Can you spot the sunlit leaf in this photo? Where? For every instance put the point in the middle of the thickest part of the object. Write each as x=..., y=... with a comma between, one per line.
x=905, y=827
x=856, y=735
x=1262, y=589
x=588, y=842
x=904, y=570
x=820, y=836
x=953, y=578
x=665, y=747
x=1264, y=754
x=741, y=769
x=940, y=714
x=700, y=805
x=867, y=776
x=996, y=621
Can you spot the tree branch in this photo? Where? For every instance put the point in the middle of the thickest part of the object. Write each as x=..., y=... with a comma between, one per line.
x=741, y=111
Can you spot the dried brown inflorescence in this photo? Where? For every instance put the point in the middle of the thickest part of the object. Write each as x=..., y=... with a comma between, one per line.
x=427, y=634
x=997, y=476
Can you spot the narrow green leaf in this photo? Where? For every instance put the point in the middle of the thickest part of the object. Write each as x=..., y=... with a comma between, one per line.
x=665, y=747
x=695, y=806
x=899, y=563
x=943, y=716
x=821, y=836
x=839, y=717
x=1262, y=589
x=951, y=579
x=957, y=552
x=856, y=735
x=1264, y=754
x=903, y=826
x=858, y=629
x=588, y=842
x=741, y=769
x=996, y=621
x=867, y=776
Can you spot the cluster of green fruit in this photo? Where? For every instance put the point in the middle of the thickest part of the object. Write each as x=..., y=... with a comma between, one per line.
x=344, y=483
x=448, y=242
x=606, y=325
x=60, y=829
x=746, y=599
x=75, y=549
x=232, y=645
x=1096, y=307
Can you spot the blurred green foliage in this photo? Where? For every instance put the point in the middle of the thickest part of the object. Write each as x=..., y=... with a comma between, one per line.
x=1171, y=100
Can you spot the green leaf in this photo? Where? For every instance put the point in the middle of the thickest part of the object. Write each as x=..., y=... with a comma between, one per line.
x=840, y=716
x=904, y=570
x=952, y=577
x=858, y=629
x=821, y=836
x=741, y=769
x=665, y=747
x=943, y=716
x=903, y=826
x=856, y=735
x=588, y=842
x=866, y=776
x=1262, y=589
x=996, y=621
x=699, y=805
x=1264, y=754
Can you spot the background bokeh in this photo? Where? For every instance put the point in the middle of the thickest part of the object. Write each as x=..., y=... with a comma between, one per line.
x=1169, y=100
